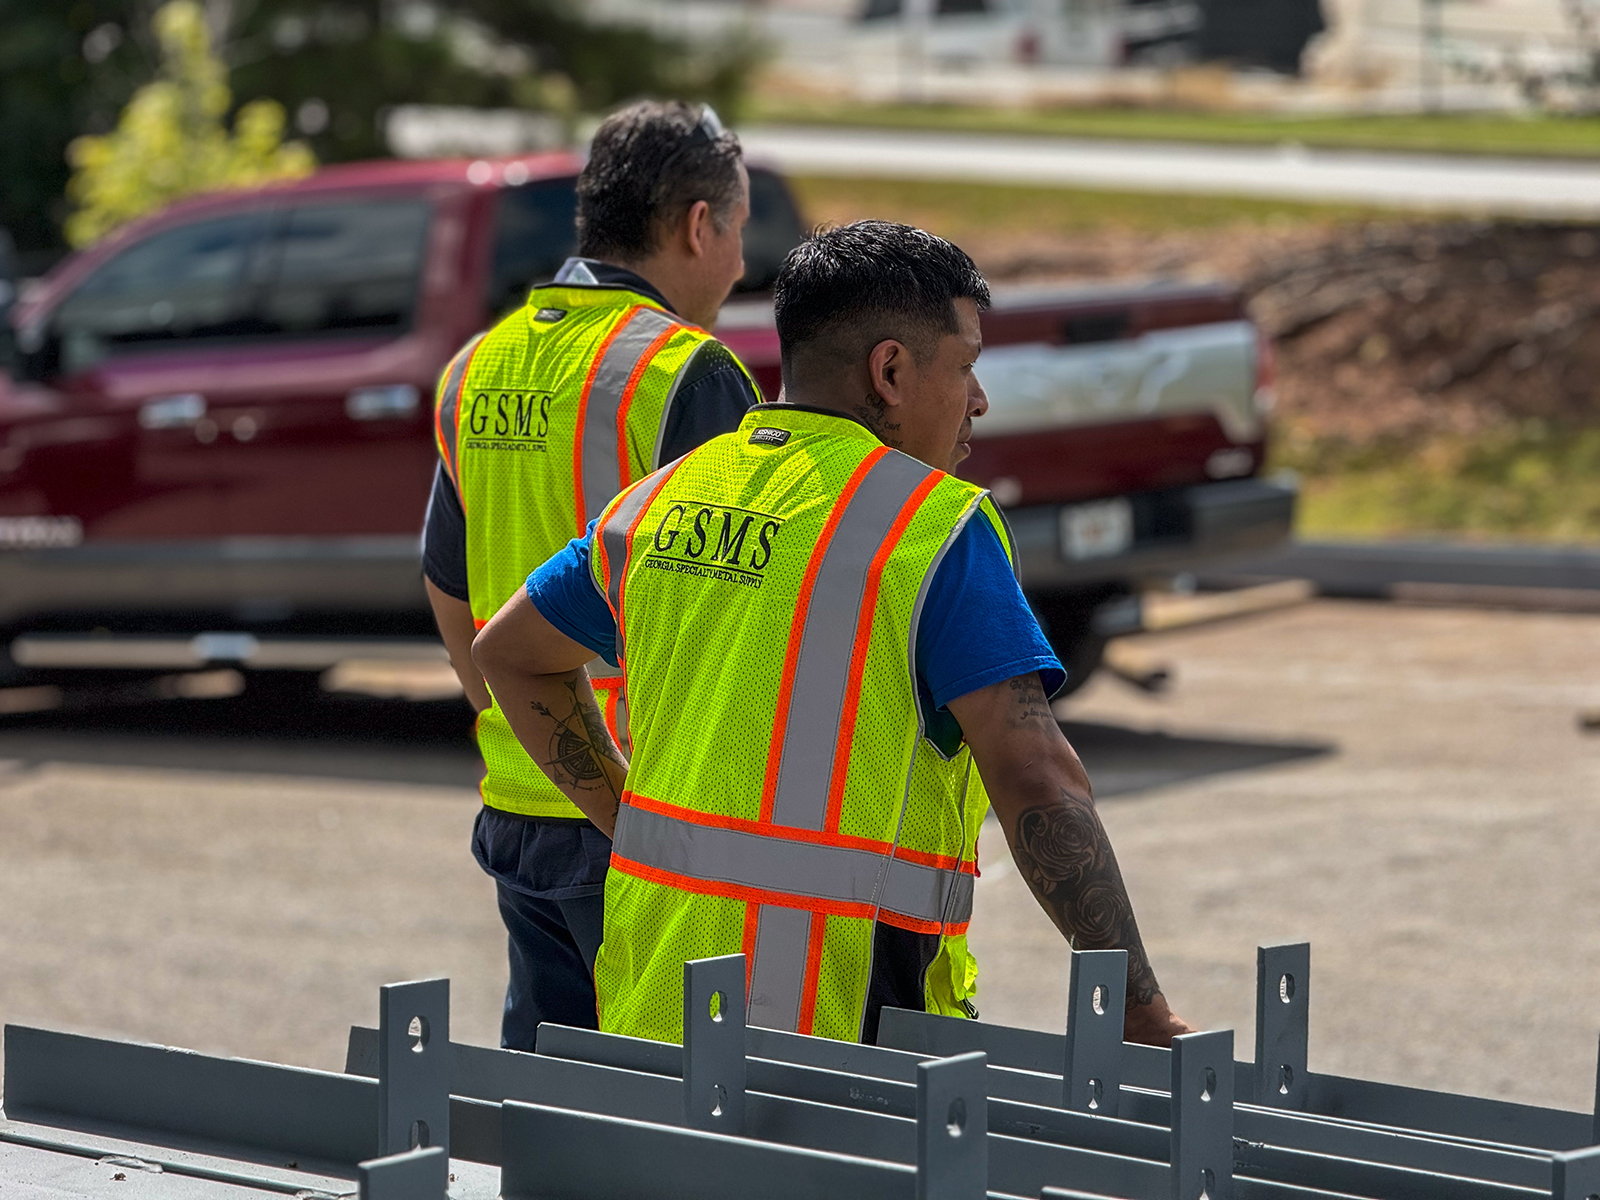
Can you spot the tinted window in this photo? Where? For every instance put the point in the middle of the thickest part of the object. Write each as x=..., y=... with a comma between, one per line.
x=346, y=268
x=774, y=230
x=535, y=231
x=185, y=284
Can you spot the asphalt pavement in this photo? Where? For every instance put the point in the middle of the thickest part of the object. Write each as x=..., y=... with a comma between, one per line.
x=1526, y=187
x=1405, y=787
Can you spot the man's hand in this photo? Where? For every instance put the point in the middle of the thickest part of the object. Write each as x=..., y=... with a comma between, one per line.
x=1154, y=1024
x=1041, y=794
x=538, y=675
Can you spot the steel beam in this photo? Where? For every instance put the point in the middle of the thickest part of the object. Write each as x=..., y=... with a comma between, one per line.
x=414, y=1070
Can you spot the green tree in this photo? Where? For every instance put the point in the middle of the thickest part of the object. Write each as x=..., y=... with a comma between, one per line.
x=172, y=139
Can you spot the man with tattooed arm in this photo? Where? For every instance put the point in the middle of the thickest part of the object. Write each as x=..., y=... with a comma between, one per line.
x=832, y=675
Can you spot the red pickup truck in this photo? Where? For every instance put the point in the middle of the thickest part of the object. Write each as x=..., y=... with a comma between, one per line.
x=215, y=444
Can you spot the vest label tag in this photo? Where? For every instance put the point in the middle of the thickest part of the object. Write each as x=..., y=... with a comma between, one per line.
x=767, y=436
x=549, y=314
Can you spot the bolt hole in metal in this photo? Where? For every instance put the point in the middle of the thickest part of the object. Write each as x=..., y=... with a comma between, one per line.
x=1286, y=1081
x=1099, y=999
x=418, y=1030
x=719, y=1099
x=419, y=1135
x=1208, y=1084
x=715, y=1009
x=1097, y=1091
x=1286, y=988
x=1207, y=1182
x=956, y=1118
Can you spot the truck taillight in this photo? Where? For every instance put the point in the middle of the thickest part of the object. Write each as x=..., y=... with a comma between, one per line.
x=1266, y=393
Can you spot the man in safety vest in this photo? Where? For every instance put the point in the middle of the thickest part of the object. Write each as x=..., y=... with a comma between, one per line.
x=832, y=673
x=603, y=376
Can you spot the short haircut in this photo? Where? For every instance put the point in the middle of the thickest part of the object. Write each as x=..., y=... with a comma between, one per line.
x=846, y=289
x=648, y=164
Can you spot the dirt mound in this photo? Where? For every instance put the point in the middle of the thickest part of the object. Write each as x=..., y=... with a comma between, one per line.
x=1387, y=333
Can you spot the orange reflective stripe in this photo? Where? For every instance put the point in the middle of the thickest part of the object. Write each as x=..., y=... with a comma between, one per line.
x=797, y=628
x=858, y=657
x=808, y=990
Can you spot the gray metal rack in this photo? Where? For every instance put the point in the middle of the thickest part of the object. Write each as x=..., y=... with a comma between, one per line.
x=944, y=1110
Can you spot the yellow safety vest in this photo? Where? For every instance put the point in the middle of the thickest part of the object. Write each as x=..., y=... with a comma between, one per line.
x=539, y=422
x=783, y=796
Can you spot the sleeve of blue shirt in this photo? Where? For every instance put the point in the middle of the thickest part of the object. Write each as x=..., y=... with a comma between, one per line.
x=976, y=630
x=563, y=591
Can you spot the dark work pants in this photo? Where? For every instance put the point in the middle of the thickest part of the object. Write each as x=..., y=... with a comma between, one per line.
x=551, y=947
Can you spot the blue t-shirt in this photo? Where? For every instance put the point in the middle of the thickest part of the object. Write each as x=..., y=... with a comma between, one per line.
x=976, y=629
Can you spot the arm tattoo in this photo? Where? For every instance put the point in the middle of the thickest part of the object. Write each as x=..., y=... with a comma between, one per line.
x=577, y=745
x=1067, y=860
x=874, y=414
x=1028, y=703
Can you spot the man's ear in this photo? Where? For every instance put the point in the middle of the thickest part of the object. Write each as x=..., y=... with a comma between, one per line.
x=886, y=368
x=696, y=228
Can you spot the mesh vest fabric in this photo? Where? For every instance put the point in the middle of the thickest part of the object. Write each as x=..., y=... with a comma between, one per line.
x=539, y=422
x=781, y=797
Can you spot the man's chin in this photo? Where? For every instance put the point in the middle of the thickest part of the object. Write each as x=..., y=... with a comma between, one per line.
x=959, y=454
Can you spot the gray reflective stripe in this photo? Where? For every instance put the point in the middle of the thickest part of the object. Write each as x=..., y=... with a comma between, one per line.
x=614, y=534
x=624, y=738
x=600, y=671
x=822, y=671
x=602, y=473
x=805, y=870
x=778, y=974
x=450, y=403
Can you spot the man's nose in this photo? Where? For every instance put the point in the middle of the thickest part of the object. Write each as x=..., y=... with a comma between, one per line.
x=977, y=399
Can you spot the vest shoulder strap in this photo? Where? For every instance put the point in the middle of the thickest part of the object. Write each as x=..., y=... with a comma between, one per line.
x=447, y=408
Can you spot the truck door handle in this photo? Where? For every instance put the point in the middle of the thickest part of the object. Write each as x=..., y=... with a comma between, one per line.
x=385, y=403
x=172, y=412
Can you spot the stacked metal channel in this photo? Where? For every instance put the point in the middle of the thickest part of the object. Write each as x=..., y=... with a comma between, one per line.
x=942, y=1109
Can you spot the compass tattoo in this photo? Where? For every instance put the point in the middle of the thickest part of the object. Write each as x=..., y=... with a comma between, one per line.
x=578, y=744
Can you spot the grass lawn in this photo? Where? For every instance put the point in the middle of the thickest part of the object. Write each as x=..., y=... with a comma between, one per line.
x=1488, y=133
x=961, y=210
x=1533, y=484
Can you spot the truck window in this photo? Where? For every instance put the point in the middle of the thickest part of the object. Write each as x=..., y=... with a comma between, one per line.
x=346, y=268
x=535, y=231
x=187, y=284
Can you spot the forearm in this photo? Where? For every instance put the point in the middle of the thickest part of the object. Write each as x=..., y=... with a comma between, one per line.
x=456, y=630
x=1041, y=794
x=558, y=722
x=1065, y=856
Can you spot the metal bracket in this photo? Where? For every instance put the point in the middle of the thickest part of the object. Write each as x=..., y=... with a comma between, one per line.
x=713, y=1044
x=414, y=1072
x=1575, y=1175
x=1283, y=994
x=1594, y=1136
x=1202, y=1116
x=1092, y=1078
x=953, y=1128
x=414, y=1175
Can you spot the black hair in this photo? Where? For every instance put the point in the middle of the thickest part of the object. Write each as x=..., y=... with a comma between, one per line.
x=647, y=165
x=853, y=286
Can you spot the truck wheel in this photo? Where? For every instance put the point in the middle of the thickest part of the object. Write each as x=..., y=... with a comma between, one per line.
x=1067, y=619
